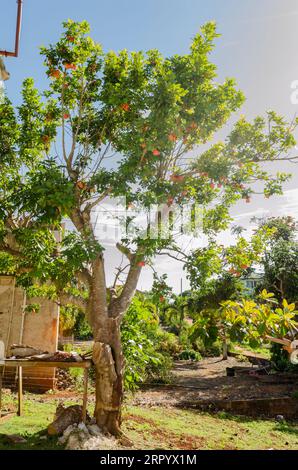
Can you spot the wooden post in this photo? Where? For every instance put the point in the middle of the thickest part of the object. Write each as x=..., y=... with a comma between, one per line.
x=85, y=397
x=1, y=371
x=224, y=350
x=20, y=391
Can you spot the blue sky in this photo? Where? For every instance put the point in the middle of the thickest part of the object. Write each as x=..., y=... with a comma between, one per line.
x=259, y=47
x=167, y=25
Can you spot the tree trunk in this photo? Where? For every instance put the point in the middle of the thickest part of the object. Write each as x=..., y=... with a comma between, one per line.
x=225, y=349
x=107, y=351
x=109, y=364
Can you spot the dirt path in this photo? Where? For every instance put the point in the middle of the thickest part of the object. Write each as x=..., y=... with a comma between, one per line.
x=207, y=380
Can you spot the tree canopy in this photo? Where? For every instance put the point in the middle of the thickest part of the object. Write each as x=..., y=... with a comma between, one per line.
x=129, y=124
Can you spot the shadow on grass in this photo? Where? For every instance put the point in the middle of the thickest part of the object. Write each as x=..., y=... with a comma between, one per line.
x=283, y=426
x=287, y=428
x=37, y=441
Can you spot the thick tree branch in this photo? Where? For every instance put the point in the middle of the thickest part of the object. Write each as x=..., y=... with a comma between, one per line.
x=119, y=306
x=125, y=251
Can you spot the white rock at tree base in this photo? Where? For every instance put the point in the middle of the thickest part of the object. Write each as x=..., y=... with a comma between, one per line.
x=94, y=430
x=82, y=437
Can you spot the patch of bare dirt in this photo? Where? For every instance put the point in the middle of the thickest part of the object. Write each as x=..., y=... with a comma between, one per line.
x=207, y=380
x=166, y=437
x=174, y=441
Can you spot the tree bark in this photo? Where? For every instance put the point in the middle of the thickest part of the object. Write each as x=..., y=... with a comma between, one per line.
x=109, y=365
x=107, y=350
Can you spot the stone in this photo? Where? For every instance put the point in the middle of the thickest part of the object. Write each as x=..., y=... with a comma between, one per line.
x=82, y=437
x=82, y=427
x=94, y=430
x=280, y=418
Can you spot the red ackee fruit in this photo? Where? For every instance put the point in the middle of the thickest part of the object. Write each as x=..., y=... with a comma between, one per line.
x=172, y=137
x=156, y=152
x=70, y=66
x=81, y=185
x=71, y=38
x=55, y=73
x=141, y=264
x=66, y=116
x=125, y=107
x=161, y=299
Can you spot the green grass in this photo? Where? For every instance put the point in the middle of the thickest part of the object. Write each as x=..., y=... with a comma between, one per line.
x=158, y=428
x=264, y=350
x=195, y=430
x=37, y=415
x=36, y=418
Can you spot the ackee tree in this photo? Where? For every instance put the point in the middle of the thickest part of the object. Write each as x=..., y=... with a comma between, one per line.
x=120, y=124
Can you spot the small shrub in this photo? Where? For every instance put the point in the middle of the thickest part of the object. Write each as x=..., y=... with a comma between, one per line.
x=160, y=372
x=169, y=343
x=242, y=358
x=190, y=354
x=209, y=350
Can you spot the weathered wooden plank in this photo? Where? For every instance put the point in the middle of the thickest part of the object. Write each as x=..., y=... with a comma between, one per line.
x=62, y=365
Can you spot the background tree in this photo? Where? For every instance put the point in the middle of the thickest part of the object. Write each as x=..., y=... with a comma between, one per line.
x=206, y=309
x=280, y=261
x=216, y=276
x=256, y=320
x=120, y=124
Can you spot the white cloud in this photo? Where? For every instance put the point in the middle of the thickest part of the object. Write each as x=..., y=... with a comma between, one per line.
x=260, y=212
x=287, y=14
x=290, y=204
